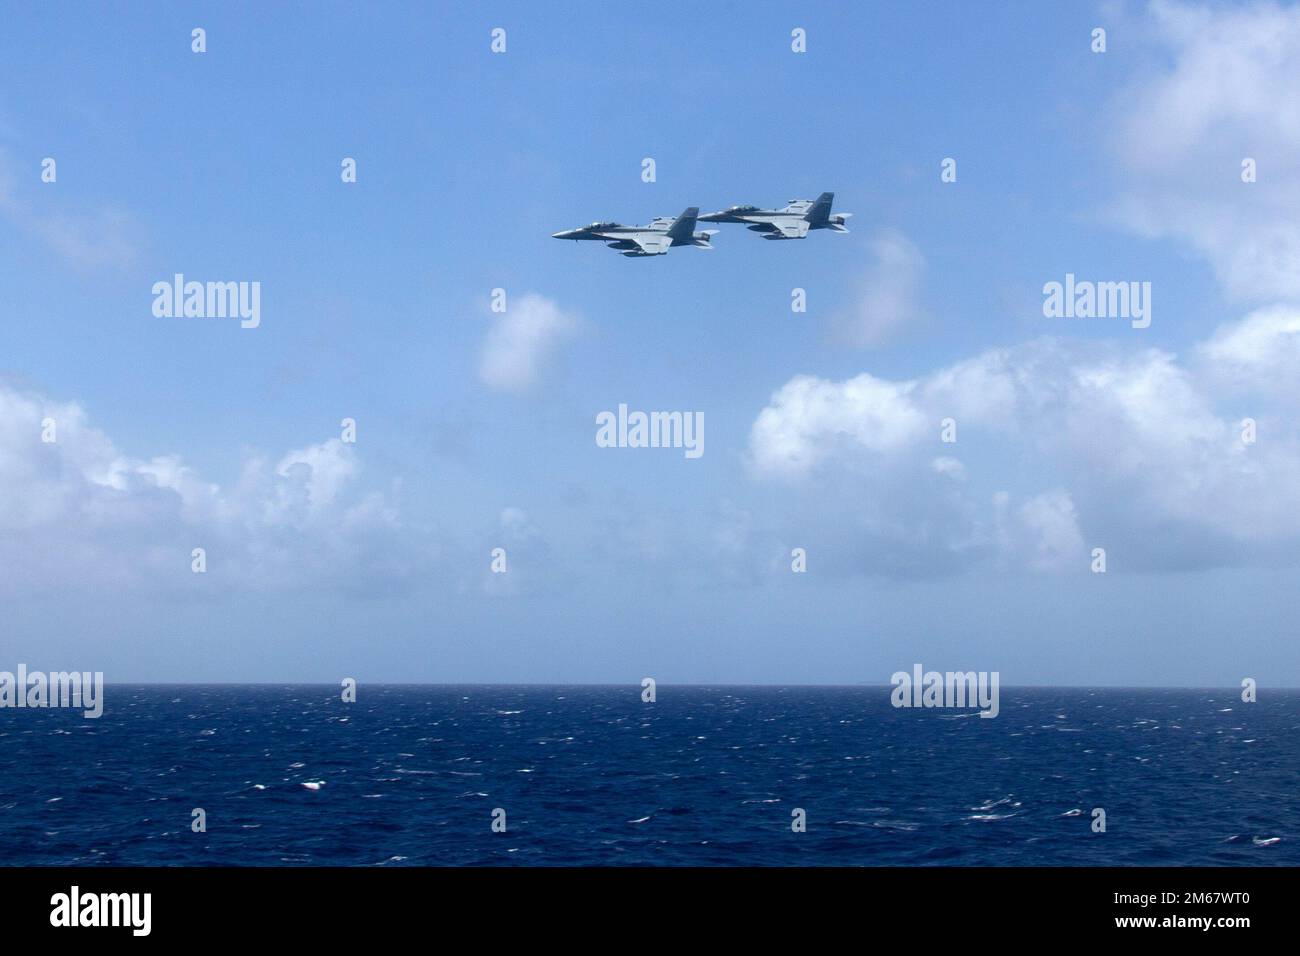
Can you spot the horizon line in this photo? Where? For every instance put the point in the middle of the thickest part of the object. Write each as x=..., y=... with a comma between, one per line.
x=693, y=684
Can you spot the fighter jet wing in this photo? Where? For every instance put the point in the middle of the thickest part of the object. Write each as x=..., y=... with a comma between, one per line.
x=651, y=243
x=796, y=229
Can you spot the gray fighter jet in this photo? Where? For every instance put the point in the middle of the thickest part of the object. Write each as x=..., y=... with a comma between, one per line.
x=652, y=240
x=792, y=222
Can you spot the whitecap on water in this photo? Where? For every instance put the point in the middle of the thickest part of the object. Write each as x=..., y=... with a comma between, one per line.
x=990, y=804
x=313, y=784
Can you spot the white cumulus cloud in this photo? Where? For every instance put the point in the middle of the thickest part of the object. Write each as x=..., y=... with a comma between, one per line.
x=522, y=341
x=1061, y=444
x=1223, y=86
x=78, y=512
x=889, y=297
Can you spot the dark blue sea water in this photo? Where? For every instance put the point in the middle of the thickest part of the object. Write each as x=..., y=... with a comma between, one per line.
x=704, y=776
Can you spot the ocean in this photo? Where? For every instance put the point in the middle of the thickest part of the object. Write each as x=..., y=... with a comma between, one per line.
x=704, y=776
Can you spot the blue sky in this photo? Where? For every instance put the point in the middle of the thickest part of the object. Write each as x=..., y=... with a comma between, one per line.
x=371, y=560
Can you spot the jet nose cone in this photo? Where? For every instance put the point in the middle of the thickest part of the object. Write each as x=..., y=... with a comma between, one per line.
x=557, y=235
